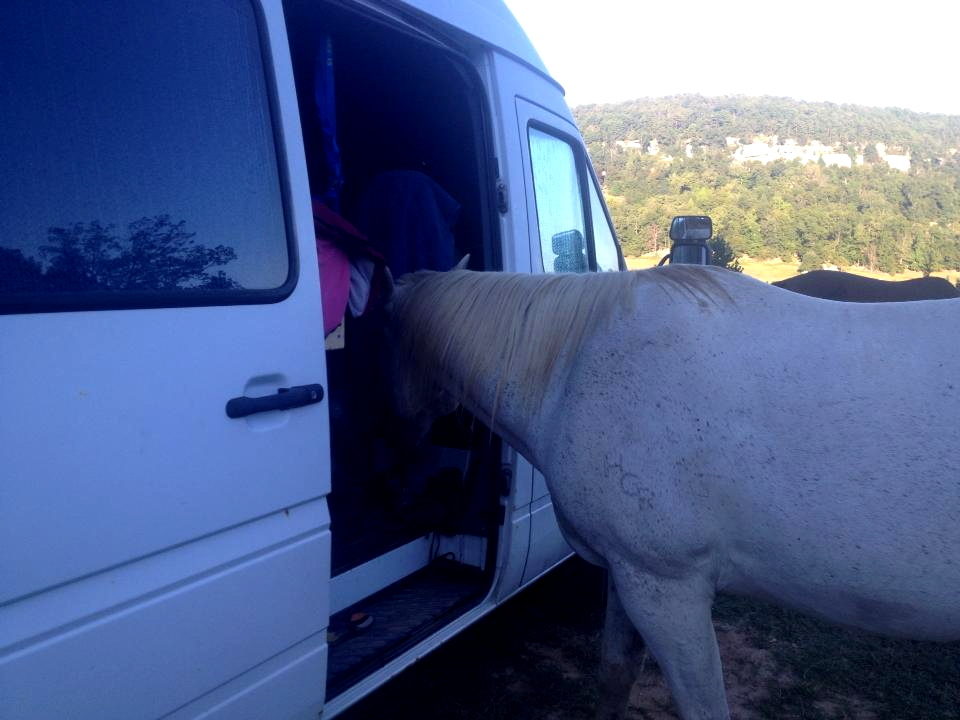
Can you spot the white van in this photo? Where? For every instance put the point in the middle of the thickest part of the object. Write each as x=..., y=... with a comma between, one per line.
x=205, y=507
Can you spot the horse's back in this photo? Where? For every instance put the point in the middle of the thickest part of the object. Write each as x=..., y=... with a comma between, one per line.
x=805, y=438
x=865, y=367
x=930, y=288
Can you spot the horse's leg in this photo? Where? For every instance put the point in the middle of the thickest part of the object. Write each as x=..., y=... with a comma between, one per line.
x=620, y=654
x=673, y=616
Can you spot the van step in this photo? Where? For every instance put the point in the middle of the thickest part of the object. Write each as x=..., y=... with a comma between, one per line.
x=367, y=635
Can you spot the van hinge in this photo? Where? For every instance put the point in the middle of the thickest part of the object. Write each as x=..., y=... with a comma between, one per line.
x=502, y=197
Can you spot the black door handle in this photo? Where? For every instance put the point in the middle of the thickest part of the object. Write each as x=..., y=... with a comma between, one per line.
x=285, y=398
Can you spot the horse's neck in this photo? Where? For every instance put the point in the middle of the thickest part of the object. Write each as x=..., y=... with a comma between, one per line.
x=503, y=396
x=503, y=339
x=505, y=412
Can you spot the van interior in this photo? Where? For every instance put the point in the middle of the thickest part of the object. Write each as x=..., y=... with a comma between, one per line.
x=394, y=132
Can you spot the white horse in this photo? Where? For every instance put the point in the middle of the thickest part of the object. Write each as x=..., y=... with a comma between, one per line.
x=700, y=431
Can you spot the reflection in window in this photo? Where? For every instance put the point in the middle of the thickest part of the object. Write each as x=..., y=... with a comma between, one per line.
x=137, y=152
x=604, y=243
x=559, y=205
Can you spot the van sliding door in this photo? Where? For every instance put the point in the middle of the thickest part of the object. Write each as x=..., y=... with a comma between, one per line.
x=164, y=536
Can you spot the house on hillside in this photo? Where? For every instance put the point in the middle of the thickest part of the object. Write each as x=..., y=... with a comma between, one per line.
x=754, y=152
x=837, y=159
x=896, y=161
x=762, y=150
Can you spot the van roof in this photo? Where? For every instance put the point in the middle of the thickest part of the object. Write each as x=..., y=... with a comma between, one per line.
x=487, y=20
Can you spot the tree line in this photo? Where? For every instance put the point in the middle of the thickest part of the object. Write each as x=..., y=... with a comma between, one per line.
x=709, y=121
x=868, y=214
x=155, y=253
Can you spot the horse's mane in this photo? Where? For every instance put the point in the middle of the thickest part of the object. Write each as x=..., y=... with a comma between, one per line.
x=512, y=325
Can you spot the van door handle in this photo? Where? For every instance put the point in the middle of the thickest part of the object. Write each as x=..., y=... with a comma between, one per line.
x=284, y=399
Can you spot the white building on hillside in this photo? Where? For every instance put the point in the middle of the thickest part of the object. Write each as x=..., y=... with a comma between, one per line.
x=896, y=161
x=837, y=159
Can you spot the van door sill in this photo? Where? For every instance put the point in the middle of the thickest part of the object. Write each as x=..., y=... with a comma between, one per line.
x=402, y=614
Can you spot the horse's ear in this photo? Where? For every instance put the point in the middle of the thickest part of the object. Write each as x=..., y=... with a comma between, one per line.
x=464, y=261
x=389, y=286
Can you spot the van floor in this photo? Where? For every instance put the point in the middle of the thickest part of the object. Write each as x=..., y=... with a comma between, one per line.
x=401, y=615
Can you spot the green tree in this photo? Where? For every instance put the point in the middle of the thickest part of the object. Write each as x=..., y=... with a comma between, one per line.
x=868, y=214
x=810, y=260
x=925, y=257
x=154, y=254
x=723, y=255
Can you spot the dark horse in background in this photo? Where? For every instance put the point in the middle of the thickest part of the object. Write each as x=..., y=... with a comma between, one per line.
x=836, y=285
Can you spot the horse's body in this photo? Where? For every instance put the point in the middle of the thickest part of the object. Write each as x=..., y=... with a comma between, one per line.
x=836, y=285
x=700, y=432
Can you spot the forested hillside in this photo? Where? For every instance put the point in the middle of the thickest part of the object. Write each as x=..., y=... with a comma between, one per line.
x=783, y=178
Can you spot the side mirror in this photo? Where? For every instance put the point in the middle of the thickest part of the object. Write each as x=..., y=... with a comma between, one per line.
x=689, y=234
x=691, y=228
x=569, y=249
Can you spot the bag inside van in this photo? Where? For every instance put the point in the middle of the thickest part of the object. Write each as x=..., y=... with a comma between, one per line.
x=394, y=137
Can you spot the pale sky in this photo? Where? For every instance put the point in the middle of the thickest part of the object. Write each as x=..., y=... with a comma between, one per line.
x=878, y=53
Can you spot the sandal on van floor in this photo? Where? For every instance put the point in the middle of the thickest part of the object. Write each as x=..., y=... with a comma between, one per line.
x=357, y=623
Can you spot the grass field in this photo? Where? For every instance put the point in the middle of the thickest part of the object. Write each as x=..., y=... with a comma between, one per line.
x=773, y=270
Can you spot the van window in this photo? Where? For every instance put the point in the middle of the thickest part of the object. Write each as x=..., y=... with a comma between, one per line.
x=608, y=259
x=137, y=156
x=560, y=216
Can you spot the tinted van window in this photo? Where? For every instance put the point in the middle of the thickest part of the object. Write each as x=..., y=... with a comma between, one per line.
x=137, y=155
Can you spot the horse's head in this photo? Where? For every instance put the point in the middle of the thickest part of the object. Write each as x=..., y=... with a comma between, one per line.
x=418, y=393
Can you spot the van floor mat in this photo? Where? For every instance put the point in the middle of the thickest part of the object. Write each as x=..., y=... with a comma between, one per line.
x=402, y=615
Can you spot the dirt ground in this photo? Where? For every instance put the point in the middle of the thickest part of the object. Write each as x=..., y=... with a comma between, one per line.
x=536, y=658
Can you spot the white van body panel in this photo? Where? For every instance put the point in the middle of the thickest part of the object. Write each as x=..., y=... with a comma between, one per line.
x=547, y=545
x=491, y=22
x=159, y=559
x=179, y=548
